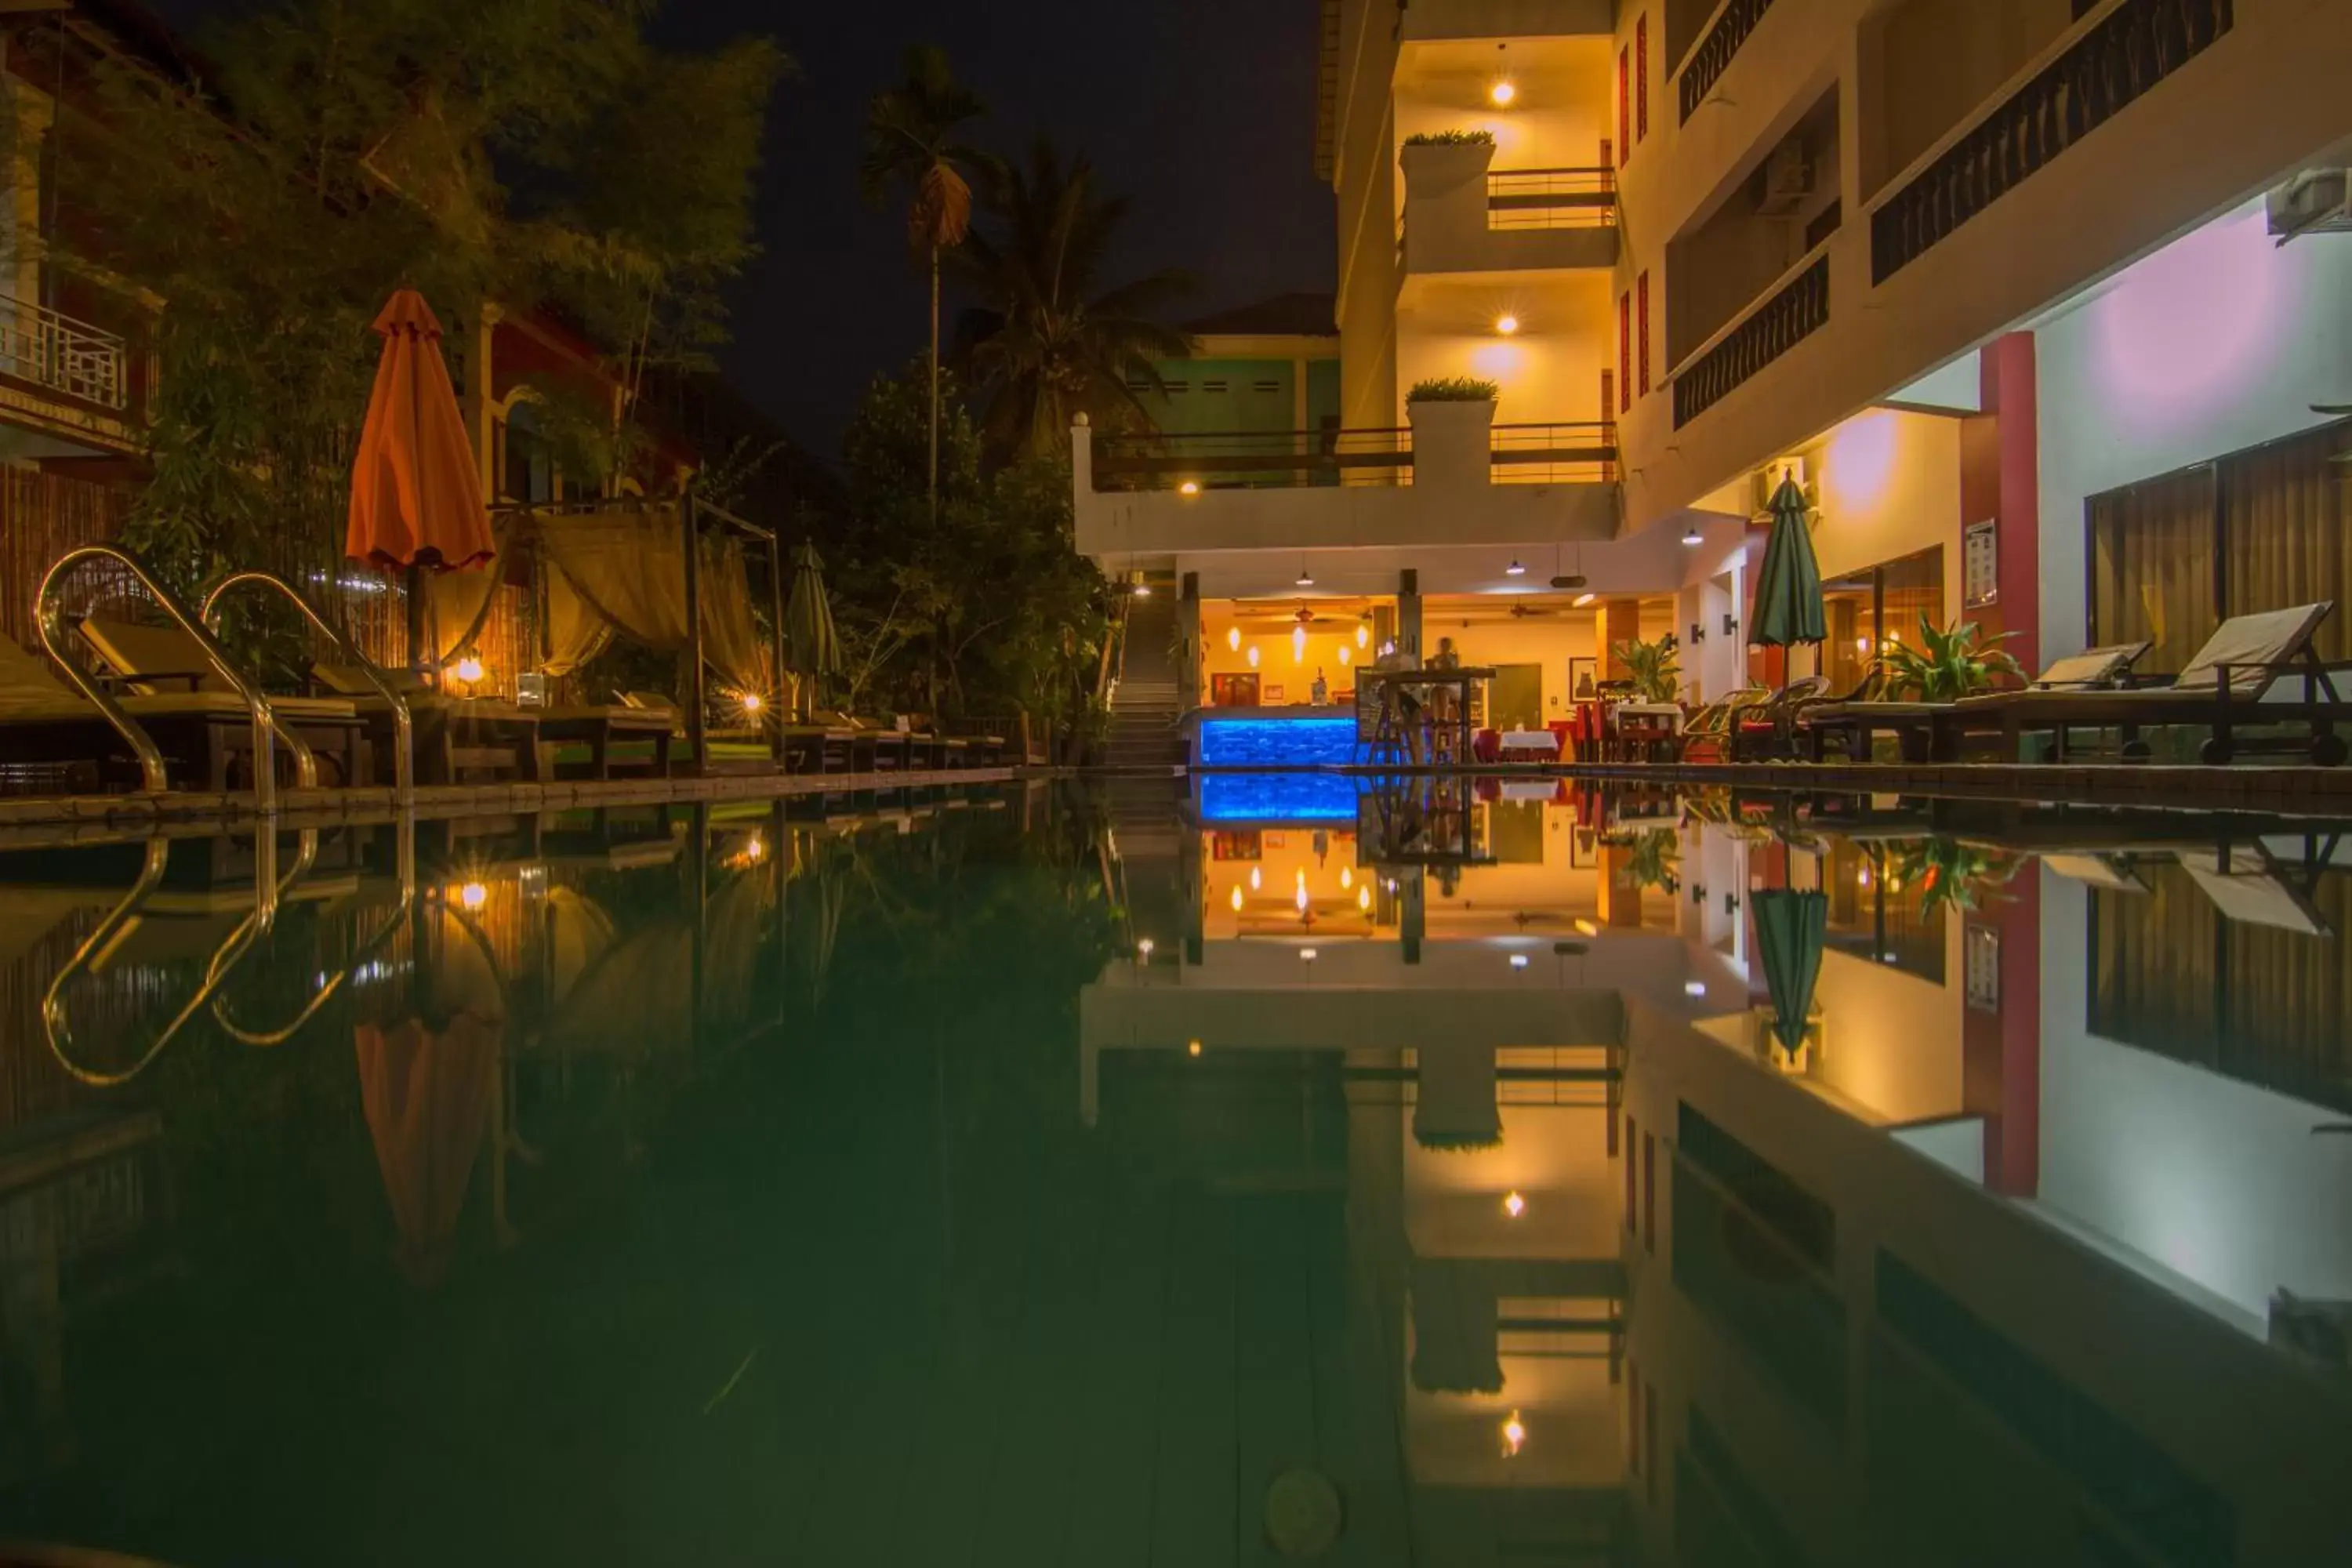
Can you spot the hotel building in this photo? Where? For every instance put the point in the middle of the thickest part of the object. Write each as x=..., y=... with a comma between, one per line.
x=2046, y=304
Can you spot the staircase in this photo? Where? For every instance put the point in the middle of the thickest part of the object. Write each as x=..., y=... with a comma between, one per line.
x=1144, y=734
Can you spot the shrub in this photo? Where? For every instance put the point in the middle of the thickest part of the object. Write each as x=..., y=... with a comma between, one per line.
x=1454, y=389
x=1451, y=139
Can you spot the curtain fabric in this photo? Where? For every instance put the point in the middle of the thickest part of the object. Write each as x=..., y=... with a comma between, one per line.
x=2152, y=566
x=571, y=632
x=628, y=569
x=2283, y=518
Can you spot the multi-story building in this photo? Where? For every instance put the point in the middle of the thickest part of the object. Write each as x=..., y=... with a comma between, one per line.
x=2040, y=300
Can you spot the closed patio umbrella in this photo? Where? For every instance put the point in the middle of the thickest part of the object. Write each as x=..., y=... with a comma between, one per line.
x=813, y=643
x=1788, y=608
x=417, y=495
x=1791, y=929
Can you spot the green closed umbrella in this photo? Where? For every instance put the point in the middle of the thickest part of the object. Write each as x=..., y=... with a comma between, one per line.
x=1790, y=931
x=812, y=642
x=1788, y=608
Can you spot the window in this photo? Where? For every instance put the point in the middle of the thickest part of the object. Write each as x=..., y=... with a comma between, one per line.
x=1641, y=289
x=1217, y=387
x=1642, y=80
x=1265, y=386
x=1876, y=606
x=2262, y=529
x=526, y=466
x=1624, y=105
x=1624, y=352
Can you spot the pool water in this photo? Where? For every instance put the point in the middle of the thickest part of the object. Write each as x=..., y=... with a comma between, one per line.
x=1035, y=1177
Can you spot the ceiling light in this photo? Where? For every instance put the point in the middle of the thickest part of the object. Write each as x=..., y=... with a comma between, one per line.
x=1583, y=600
x=1234, y=639
x=1306, y=954
x=1305, y=578
x=1694, y=988
x=1518, y=961
x=1506, y=323
x=1252, y=659
x=1189, y=488
x=1143, y=590
x=1692, y=536
x=1503, y=94
x=1515, y=570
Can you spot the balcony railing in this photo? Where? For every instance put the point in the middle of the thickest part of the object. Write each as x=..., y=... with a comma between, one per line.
x=1551, y=198
x=65, y=355
x=1576, y=454
x=2106, y=70
x=1252, y=459
x=1713, y=56
x=1799, y=309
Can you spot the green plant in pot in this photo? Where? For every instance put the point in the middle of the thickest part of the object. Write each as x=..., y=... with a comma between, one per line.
x=1947, y=665
x=1454, y=389
x=1655, y=667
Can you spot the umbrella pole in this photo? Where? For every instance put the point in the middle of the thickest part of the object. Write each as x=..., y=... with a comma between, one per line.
x=695, y=724
x=415, y=581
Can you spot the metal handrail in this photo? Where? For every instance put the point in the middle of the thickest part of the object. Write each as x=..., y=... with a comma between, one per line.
x=266, y=890
x=407, y=864
x=403, y=730
x=50, y=617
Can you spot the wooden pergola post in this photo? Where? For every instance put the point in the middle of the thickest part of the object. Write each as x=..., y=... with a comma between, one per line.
x=697, y=719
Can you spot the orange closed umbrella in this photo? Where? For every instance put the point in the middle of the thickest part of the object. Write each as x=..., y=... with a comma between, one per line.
x=416, y=494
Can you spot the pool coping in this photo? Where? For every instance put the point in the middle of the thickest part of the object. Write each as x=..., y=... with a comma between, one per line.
x=35, y=821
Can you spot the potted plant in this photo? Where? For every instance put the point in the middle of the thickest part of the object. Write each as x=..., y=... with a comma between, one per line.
x=1947, y=665
x=1453, y=420
x=1653, y=667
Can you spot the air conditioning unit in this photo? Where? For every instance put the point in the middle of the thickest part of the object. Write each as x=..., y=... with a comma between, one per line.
x=1788, y=182
x=2316, y=201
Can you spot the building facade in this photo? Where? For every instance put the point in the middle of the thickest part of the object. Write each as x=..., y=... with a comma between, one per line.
x=2040, y=300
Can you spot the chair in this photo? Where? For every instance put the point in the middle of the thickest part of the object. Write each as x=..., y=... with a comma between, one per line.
x=1928, y=727
x=1770, y=727
x=1707, y=737
x=2225, y=686
x=154, y=662
x=51, y=739
x=617, y=736
x=455, y=735
x=739, y=748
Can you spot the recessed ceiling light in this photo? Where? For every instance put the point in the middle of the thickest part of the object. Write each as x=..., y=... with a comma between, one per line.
x=1506, y=323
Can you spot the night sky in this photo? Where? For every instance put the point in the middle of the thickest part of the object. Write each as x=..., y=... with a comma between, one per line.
x=1200, y=110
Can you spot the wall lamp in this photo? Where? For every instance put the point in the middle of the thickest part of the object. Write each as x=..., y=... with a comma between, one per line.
x=1730, y=623
x=1698, y=633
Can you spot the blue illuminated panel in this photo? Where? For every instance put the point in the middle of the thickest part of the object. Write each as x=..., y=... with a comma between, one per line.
x=1277, y=797
x=1276, y=743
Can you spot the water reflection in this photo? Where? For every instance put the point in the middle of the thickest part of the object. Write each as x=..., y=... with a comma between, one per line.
x=1452, y=1173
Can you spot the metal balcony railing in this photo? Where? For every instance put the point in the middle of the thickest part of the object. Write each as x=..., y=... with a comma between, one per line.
x=84, y=361
x=1800, y=308
x=1583, y=453
x=1551, y=198
x=2106, y=70
x=1252, y=459
x=1713, y=56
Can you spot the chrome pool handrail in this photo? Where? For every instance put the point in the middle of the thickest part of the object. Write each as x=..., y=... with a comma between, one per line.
x=49, y=614
x=264, y=1038
x=404, y=730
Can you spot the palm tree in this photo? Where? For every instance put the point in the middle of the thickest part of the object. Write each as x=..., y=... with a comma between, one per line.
x=1048, y=347
x=910, y=136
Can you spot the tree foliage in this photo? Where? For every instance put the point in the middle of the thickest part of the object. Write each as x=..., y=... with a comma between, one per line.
x=528, y=153
x=986, y=608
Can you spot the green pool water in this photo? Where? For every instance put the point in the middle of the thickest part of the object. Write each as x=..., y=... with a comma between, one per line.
x=1482, y=1175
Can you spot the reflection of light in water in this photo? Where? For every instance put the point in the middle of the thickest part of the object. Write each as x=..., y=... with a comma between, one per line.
x=1694, y=988
x=1308, y=954
x=1192, y=1047
x=1347, y=878
x=1256, y=881
x=1143, y=947
x=1518, y=961
x=1237, y=898
x=1299, y=896
x=1515, y=1435
x=473, y=895
x=1586, y=928
x=1234, y=639
x=1364, y=898
x=1515, y=1205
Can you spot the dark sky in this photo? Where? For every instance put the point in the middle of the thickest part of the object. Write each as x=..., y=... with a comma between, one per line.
x=1202, y=112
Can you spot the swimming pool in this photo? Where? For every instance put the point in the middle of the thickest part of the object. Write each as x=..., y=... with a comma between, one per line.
x=1032, y=1176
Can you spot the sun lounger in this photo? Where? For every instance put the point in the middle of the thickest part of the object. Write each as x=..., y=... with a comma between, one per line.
x=1926, y=729
x=455, y=735
x=2225, y=687
x=733, y=749
x=1766, y=730
x=617, y=737
x=2248, y=889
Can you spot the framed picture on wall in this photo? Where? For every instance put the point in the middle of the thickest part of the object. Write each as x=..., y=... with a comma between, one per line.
x=1581, y=675
x=1980, y=565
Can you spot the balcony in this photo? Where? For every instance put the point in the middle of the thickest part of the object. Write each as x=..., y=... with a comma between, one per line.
x=1716, y=46
x=87, y=363
x=1790, y=313
x=2119, y=59
x=1463, y=216
x=1454, y=478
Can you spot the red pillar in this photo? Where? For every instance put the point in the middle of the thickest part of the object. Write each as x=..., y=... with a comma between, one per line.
x=2001, y=1050
x=2001, y=480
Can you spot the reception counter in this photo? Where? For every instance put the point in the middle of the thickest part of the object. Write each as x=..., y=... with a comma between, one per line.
x=1297, y=737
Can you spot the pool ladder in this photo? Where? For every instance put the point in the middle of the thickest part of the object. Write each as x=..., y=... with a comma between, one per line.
x=51, y=618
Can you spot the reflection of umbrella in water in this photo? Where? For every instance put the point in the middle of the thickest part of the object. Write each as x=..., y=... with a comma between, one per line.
x=429, y=1084
x=1791, y=929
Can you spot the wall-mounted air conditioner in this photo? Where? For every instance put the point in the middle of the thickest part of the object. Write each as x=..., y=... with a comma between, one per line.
x=2316, y=201
x=1788, y=182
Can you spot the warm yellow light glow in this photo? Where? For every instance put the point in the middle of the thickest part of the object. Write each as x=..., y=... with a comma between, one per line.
x=1862, y=645
x=1518, y=961
x=1347, y=657
x=753, y=702
x=1506, y=323
x=1586, y=928
x=1189, y=488
x=757, y=849
x=1583, y=599
x=1256, y=881
x=1143, y=590
x=1364, y=898
x=1143, y=947
x=1298, y=644
x=1192, y=1047
x=1514, y=1436
x=1253, y=655
x=473, y=895
x=1363, y=636
x=1308, y=954
x=1861, y=877
x=469, y=669
x=1298, y=896
x=1503, y=94
x=1515, y=1205
x=1234, y=639
x=1237, y=900
x=1347, y=878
